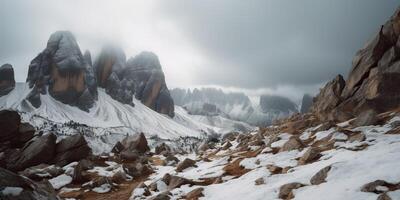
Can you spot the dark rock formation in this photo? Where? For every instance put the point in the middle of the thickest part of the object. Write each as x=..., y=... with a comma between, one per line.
x=37, y=151
x=70, y=149
x=29, y=189
x=110, y=76
x=7, y=81
x=306, y=103
x=150, y=87
x=9, y=125
x=62, y=70
x=136, y=142
x=271, y=103
x=373, y=80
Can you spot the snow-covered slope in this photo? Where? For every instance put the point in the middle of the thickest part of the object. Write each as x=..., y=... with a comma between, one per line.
x=106, y=113
x=216, y=124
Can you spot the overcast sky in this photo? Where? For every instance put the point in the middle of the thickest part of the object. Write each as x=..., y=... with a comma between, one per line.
x=259, y=46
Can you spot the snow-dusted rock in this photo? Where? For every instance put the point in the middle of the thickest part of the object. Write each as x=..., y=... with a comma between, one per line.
x=7, y=81
x=62, y=67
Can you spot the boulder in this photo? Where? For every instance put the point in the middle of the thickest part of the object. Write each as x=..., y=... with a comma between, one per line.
x=137, y=142
x=372, y=186
x=285, y=191
x=366, y=118
x=328, y=98
x=310, y=155
x=41, y=171
x=9, y=124
x=175, y=181
x=259, y=181
x=320, y=176
x=70, y=149
x=24, y=189
x=7, y=81
x=383, y=196
x=162, y=148
x=129, y=155
x=119, y=177
x=359, y=137
x=118, y=147
x=273, y=169
x=185, y=164
x=294, y=143
x=80, y=174
x=37, y=151
x=195, y=194
x=26, y=132
x=150, y=88
x=62, y=69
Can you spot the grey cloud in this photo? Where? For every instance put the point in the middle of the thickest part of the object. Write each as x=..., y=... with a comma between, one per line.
x=268, y=43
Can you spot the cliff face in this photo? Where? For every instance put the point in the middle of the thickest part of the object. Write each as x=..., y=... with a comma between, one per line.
x=62, y=71
x=7, y=81
x=146, y=73
x=373, y=80
x=141, y=76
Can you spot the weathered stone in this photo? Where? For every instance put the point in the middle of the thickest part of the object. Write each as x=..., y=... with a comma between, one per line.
x=162, y=148
x=260, y=181
x=285, y=191
x=37, y=151
x=26, y=132
x=383, y=196
x=185, y=164
x=310, y=155
x=41, y=171
x=195, y=194
x=328, y=98
x=119, y=177
x=149, y=81
x=274, y=169
x=366, y=118
x=226, y=146
x=30, y=190
x=359, y=137
x=62, y=67
x=9, y=125
x=294, y=143
x=320, y=176
x=372, y=186
x=137, y=142
x=7, y=81
x=72, y=148
x=118, y=147
x=129, y=155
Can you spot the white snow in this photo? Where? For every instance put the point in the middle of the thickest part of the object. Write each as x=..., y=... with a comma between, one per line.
x=102, y=188
x=12, y=191
x=60, y=181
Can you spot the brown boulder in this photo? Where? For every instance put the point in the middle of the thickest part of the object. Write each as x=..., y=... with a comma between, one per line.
x=162, y=148
x=30, y=190
x=274, y=169
x=310, y=155
x=328, y=98
x=294, y=143
x=137, y=142
x=9, y=124
x=70, y=149
x=37, y=151
x=366, y=118
x=320, y=176
x=185, y=164
x=285, y=192
x=195, y=194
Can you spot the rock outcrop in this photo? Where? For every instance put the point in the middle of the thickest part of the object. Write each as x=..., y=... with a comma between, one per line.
x=140, y=76
x=373, y=80
x=150, y=87
x=62, y=70
x=21, y=188
x=7, y=81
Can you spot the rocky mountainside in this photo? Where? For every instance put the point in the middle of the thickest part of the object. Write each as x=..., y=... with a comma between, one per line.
x=233, y=105
x=373, y=80
x=332, y=152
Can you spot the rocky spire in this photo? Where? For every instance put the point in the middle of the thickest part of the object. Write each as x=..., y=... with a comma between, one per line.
x=7, y=81
x=62, y=71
